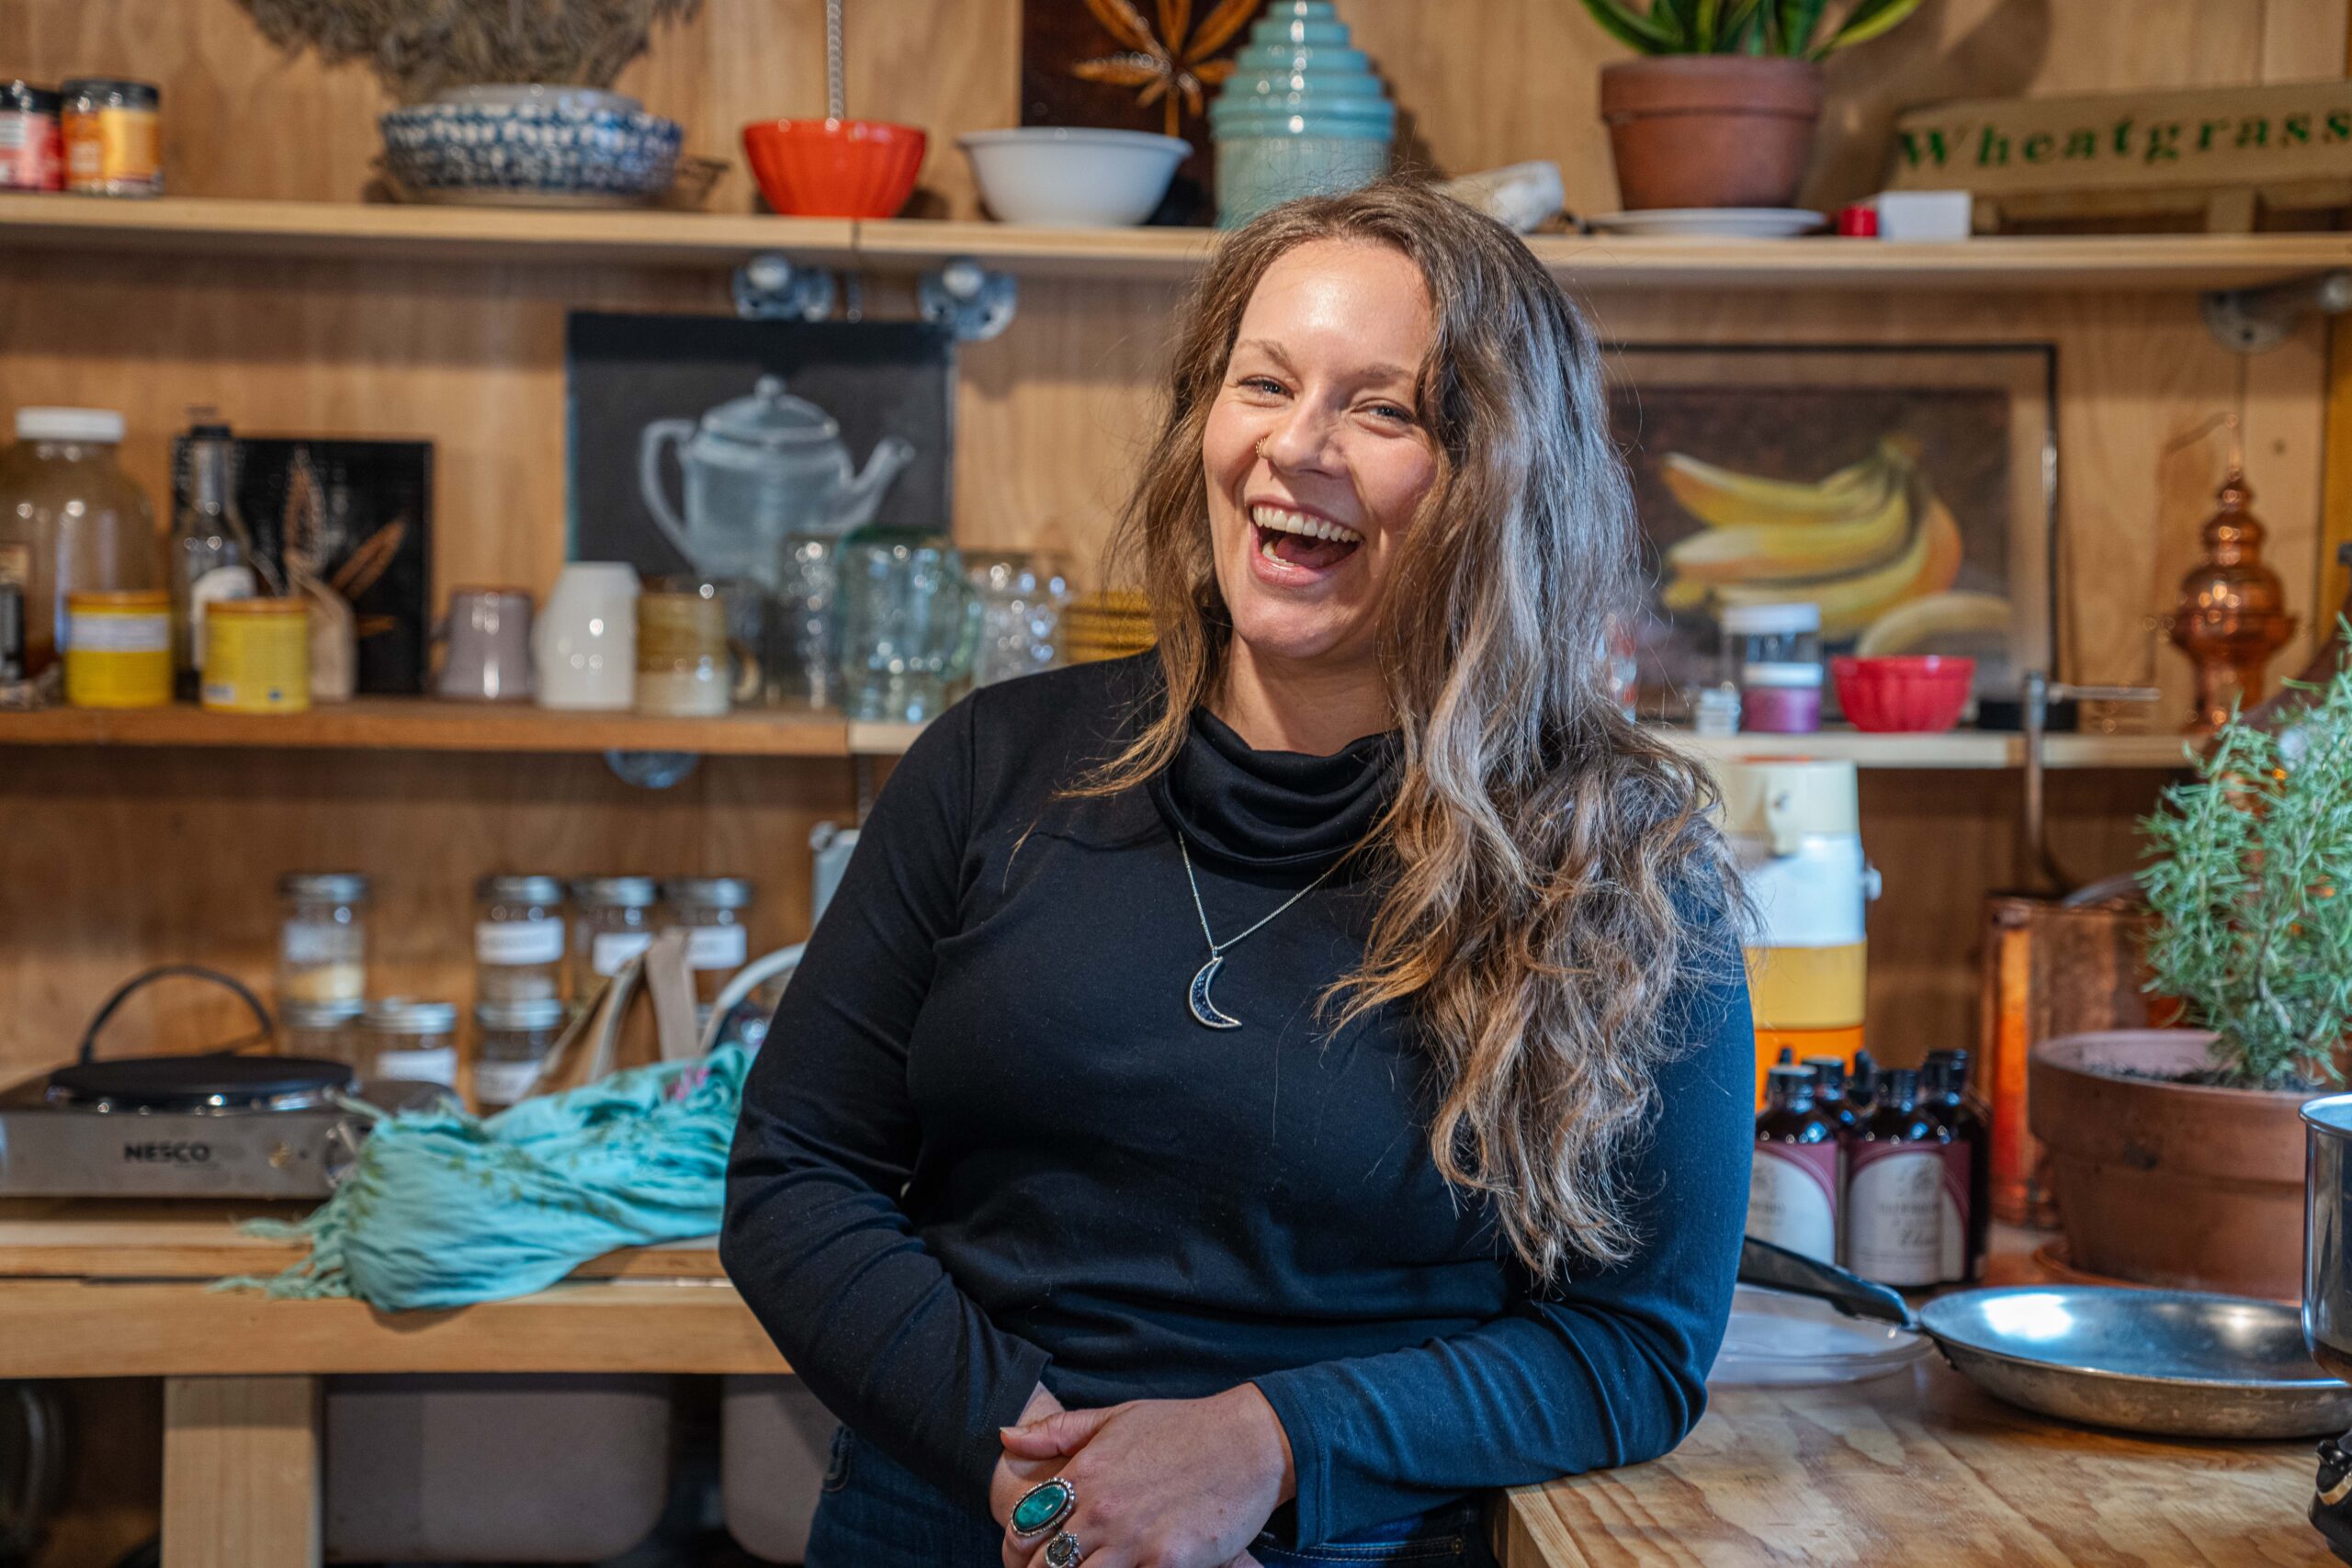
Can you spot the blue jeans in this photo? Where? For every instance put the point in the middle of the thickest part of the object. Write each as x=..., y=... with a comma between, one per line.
x=874, y=1513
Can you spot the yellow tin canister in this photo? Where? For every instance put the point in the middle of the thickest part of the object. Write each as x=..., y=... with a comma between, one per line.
x=257, y=656
x=119, y=649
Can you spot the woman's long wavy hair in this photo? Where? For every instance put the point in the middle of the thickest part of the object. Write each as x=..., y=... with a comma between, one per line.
x=1539, y=841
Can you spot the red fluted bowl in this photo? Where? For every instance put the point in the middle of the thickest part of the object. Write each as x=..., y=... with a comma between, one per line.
x=834, y=168
x=1913, y=692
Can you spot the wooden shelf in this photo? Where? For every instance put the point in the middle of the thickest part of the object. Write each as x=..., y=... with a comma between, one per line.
x=424, y=724
x=383, y=231
x=362, y=231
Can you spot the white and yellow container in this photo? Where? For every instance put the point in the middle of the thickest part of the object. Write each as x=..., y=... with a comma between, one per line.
x=1796, y=825
x=119, y=649
x=257, y=656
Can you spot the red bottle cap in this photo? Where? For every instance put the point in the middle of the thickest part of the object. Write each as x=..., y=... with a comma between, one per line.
x=1857, y=220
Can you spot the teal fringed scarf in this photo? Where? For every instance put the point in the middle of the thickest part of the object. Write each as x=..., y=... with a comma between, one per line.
x=445, y=1209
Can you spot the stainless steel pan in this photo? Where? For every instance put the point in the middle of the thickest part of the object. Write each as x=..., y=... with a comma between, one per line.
x=2174, y=1362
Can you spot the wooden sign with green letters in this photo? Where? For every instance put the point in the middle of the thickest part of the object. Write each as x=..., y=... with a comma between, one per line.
x=2217, y=148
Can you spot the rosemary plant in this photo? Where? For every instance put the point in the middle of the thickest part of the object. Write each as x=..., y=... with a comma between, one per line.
x=1792, y=27
x=2251, y=881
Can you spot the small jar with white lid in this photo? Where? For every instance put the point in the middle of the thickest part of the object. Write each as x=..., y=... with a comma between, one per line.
x=613, y=920
x=1772, y=652
x=711, y=911
x=325, y=1031
x=323, y=937
x=409, y=1039
x=512, y=1042
x=518, y=939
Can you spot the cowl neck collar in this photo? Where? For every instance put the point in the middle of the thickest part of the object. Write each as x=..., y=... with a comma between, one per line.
x=1272, y=809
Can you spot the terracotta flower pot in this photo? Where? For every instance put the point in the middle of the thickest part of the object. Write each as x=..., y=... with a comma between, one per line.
x=1710, y=130
x=2169, y=1183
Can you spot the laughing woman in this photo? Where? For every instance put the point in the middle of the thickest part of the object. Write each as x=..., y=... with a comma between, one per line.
x=1247, y=1100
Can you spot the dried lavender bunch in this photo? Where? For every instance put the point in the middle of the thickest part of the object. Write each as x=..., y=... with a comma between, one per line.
x=418, y=47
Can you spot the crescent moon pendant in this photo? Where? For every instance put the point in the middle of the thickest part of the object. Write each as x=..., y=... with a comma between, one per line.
x=1204, y=1009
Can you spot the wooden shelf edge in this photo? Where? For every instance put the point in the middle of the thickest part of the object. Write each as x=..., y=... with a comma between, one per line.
x=424, y=724
x=362, y=231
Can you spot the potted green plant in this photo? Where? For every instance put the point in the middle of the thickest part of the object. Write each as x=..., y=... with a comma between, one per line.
x=1719, y=110
x=2176, y=1155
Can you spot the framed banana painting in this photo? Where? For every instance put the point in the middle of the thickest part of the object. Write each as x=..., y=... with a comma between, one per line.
x=1909, y=492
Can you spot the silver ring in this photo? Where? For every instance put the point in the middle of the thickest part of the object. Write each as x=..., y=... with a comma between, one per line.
x=1054, y=1500
x=1063, y=1550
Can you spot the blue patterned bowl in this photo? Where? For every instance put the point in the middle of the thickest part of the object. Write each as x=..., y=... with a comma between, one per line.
x=533, y=142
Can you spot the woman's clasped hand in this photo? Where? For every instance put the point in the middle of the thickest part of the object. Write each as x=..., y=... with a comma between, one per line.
x=1159, y=1483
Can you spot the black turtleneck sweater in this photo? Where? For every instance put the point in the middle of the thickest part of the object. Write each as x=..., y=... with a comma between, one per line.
x=988, y=1144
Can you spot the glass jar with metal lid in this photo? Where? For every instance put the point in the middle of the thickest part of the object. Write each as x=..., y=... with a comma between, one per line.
x=326, y=1032
x=711, y=911
x=113, y=136
x=323, y=940
x=409, y=1039
x=512, y=1042
x=613, y=921
x=518, y=939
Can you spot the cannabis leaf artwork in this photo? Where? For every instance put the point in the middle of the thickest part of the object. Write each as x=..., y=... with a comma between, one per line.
x=1171, y=65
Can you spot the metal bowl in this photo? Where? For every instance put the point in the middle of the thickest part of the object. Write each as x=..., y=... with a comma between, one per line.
x=2174, y=1362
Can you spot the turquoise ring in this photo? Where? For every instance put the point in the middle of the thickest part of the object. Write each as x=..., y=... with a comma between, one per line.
x=1043, y=1507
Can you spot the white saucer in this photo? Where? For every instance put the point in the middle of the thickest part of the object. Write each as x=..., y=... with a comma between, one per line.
x=1711, y=222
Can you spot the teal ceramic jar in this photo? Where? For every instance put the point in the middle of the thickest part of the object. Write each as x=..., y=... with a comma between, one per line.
x=1302, y=115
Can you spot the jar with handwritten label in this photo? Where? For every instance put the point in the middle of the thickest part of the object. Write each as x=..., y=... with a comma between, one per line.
x=711, y=911
x=511, y=1044
x=323, y=937
x=409, y=1039
x=518, y=939
x=613, y=921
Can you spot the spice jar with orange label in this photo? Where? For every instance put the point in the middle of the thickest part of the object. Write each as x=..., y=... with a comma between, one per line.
x=257, y=656
x=114, y=143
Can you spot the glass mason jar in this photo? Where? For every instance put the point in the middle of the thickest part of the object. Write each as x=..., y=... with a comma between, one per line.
x=411, y=1040
x=711, y=911
x=71, y=520
x=512, y=1042
x=518, y=939
x=326, y=1032
x=613, y=921
x=323, y=940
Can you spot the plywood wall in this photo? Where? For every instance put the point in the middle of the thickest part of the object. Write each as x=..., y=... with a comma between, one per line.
x=107, y=859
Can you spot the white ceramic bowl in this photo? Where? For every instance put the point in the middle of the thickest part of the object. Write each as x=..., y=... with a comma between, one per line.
x=1072, y=177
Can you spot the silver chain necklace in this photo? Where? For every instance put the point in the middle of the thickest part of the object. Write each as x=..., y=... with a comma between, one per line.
x=1205, y=1010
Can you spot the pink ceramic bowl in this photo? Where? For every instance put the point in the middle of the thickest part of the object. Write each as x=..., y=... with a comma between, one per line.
x=834, y=168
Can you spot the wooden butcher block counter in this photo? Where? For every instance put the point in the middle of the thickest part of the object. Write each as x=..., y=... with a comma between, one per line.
x=1915, y=1468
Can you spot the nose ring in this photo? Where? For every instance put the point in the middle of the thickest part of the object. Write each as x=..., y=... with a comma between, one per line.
x=1261, y=448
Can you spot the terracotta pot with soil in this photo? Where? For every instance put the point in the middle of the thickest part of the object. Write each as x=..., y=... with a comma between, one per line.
x=1711, y=129
x=2168, y=1182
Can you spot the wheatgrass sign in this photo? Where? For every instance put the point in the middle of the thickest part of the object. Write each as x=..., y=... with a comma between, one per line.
x=2289, y=134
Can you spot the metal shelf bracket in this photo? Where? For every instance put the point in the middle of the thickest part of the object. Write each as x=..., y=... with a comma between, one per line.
x=768, y=288
x=2256, y=321
x=968, y=299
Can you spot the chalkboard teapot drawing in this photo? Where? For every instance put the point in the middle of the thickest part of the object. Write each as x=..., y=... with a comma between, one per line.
x=759, y=470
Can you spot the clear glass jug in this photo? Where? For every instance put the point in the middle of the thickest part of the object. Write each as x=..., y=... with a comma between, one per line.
x=911, y=623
